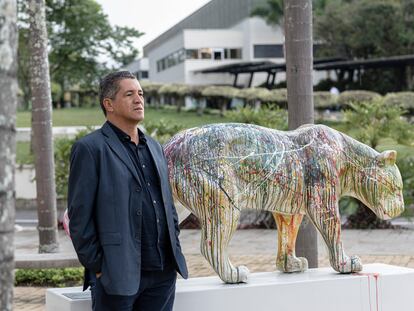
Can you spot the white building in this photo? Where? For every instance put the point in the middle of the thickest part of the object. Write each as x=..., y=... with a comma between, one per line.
x=139, y=68
x=220, y=33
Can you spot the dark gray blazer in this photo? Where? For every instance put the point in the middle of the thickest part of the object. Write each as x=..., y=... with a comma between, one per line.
x=105, y=210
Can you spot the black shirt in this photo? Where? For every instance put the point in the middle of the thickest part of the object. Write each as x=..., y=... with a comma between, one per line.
x=156, y=251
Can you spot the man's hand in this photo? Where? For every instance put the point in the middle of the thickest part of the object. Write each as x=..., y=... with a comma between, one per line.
x=98, y=275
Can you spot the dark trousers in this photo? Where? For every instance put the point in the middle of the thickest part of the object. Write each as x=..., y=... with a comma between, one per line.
x=156, y=293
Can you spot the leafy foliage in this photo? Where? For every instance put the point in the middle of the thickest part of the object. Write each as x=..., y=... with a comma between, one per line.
x=366, y=28
x=63, y=148
x=377, y=121
x=347, y=98
x=49, y=277
x=162, y=130
x=324, y=100
x=272, y=12
x=226, y=92
x=362, y=29
x=402, y=99
x=80, y=36
x=275, y=118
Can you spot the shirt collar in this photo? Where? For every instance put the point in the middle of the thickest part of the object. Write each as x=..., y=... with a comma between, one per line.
x=124, y=137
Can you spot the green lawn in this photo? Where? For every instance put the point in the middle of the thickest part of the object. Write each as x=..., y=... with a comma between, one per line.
x=94, y=116
x=187, y=119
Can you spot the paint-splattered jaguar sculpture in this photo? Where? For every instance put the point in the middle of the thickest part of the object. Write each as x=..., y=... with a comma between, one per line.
x=218, y=170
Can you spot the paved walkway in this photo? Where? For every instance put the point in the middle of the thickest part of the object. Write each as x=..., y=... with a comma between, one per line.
x=254, y=248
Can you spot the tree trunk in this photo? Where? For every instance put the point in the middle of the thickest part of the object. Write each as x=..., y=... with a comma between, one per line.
x=8, y=100
x=299, y=66
x=42, y=129
x=223, y=106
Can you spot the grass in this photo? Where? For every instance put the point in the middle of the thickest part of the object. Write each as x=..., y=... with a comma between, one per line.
x=187, y=119
x=94, y=116
x=23, y=155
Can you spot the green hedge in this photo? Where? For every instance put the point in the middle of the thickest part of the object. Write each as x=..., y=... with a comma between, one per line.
x=64, y=277
x=347, y=98
x=324, y=100
x=402, y=99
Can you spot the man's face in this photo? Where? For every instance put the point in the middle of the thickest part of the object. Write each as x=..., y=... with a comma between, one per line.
x=128, y=104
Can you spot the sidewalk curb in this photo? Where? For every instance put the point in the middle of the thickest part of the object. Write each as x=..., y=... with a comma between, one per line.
x=46, y=261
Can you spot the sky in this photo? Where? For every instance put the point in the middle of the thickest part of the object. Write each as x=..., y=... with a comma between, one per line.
x=152, y=17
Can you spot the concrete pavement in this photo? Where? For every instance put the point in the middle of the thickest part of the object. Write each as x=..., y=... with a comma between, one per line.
x=254, y=248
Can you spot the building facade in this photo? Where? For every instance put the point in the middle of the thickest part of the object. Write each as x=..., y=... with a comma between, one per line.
x=222, y=32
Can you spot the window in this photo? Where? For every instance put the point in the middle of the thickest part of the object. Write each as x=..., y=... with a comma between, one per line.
x=268, y=51
x=181, y=56
x=144, y=74
x=235, y=53
x=191, y=54
x=218, y=54
x=205, y=53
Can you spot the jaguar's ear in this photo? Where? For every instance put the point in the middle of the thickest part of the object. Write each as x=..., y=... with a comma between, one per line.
x=387, y=157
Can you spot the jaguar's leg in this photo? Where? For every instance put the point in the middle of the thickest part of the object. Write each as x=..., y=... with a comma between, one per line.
x=217, y=228
x=323, y=210
x=287, y=228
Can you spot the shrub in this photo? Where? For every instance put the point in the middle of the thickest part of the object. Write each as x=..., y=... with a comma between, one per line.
x=63, y=148
x=324, y=100
x=377, y=121
x=275, y=118
x=151, y=92
x=355, y=97
x=406, y=166
x=49, y=277
x=278, y=97
x=161, y=130
x=402, y=99
x=226, y=92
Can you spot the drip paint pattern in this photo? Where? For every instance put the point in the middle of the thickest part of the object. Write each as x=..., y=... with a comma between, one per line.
x=218, y=170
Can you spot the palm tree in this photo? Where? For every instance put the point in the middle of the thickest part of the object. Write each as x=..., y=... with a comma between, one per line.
x=299, y=67
x=272, y=13
x=42, y=128
x=8, y=99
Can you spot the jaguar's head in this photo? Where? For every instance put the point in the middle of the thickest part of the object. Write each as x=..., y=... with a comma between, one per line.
x=381, y=186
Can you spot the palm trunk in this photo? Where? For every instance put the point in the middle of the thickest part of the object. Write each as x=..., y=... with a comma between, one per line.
x=299, y=66
x=8, y=100
x=42, y=129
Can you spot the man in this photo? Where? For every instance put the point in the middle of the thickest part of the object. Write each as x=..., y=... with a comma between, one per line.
x=123, y=222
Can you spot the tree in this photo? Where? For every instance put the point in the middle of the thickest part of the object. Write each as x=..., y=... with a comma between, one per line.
x=272, y=13
x=8, y=99
x=368, y=29
x=299, y=67
x=82, y=43
x=42, y=128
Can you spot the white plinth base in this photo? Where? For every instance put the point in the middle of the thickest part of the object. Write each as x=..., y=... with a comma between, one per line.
x=378, y=288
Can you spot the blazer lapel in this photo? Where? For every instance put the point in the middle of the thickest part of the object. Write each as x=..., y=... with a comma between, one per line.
x=113, y=141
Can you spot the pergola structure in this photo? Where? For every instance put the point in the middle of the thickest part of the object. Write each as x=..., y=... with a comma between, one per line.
x=337, y=64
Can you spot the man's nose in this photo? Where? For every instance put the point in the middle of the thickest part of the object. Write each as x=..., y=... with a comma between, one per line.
x=139, y=99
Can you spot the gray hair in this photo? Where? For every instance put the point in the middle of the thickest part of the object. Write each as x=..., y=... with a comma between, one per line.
x=109, y=85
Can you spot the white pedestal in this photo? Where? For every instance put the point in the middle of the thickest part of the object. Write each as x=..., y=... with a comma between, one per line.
x=378, y=288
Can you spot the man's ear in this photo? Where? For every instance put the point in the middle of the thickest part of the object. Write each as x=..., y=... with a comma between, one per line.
x=107, y=102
